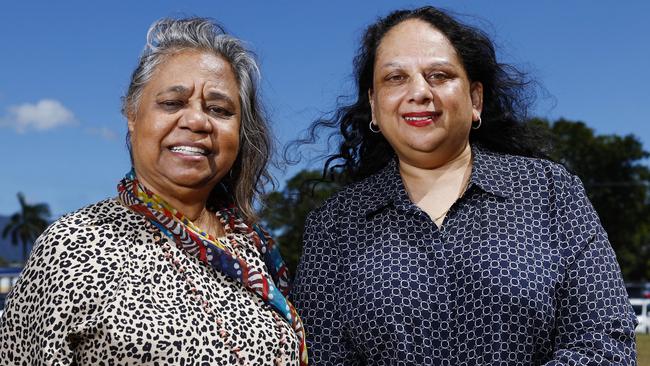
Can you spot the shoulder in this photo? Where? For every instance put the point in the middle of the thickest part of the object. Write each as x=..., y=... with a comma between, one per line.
x=91, y=243
x=521, y=174
x=97, y=230
x=75, y=268
x=354, y=198
x=97, y=214
x=104, y=216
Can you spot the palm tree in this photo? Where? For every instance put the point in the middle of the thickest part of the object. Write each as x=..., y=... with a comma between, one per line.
x=27, y=224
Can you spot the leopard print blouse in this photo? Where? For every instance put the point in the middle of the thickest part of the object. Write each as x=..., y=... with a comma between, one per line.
x=99, y=290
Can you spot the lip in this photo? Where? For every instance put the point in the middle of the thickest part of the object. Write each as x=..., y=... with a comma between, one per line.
x=207, y=151
x=421, y=119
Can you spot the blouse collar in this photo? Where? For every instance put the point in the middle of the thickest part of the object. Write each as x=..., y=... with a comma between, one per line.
x=491, y=172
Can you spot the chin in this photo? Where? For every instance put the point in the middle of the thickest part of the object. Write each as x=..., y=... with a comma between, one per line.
x=425, y=146
x=193, y=180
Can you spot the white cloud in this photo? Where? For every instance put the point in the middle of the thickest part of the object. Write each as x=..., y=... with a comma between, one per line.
x=46, y=114
x=103, y=132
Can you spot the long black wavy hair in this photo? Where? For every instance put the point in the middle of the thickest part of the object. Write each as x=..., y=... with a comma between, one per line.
x=507, y=96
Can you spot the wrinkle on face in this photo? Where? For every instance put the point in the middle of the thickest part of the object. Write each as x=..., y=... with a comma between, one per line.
x=192, y=99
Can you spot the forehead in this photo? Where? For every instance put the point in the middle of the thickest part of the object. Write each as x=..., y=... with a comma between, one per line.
x=415, y=39
x=193, y=68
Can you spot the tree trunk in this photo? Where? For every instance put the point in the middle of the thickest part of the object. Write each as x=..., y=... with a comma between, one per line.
x=24, y=253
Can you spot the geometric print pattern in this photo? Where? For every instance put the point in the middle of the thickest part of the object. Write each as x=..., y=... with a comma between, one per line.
x=520, y=273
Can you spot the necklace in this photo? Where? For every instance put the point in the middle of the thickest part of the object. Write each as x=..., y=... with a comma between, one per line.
x=197, y=297
x=460, y=194
x=272, y=286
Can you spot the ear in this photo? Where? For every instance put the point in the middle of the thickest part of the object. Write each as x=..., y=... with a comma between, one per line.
x=130, y=123
x=372, y=104
x=476, y=93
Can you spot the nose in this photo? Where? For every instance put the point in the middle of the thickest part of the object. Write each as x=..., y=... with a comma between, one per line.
x=195, y=119
x=420, y=90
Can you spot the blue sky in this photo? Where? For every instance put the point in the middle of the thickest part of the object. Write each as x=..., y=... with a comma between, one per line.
x=65, y=65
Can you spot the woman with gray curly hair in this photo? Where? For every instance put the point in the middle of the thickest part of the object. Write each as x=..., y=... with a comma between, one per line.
x=175, y=269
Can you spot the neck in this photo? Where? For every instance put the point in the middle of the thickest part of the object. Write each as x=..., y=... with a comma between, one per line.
x=190, y=202
x=458, y=163
x=448, y=178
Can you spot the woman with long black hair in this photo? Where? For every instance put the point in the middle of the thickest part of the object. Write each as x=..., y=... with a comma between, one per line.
x=458, y=243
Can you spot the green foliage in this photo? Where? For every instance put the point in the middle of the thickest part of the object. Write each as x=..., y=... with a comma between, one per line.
x=617, y=182
x=27, y=224
x=285, y=212
x=643, y=349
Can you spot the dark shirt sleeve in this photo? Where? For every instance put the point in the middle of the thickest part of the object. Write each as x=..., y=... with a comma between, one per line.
x=315, y=293
x=594, y=320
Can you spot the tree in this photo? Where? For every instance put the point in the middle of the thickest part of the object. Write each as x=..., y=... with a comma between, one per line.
x=27, y=224
x=617, y=182
x=285, y=212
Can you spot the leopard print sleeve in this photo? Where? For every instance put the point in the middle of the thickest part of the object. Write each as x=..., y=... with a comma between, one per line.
x=72, y=271
x=99, y=288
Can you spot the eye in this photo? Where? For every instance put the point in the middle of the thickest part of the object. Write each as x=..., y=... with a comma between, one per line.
x=395, y=78
x=438, y=76
x=171, y=105
x=219, y=111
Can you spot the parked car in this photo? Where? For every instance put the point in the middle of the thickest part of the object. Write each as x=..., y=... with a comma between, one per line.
x=641, y=308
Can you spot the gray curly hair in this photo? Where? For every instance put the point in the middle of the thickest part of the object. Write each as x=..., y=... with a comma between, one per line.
x=167, y=37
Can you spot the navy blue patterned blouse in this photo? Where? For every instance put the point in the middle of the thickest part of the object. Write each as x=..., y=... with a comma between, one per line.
x=521, y=273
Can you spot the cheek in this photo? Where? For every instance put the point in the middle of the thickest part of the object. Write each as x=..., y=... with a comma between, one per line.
x=228, y=138
x=146, y=140
x=387, y=100
x=457, y=97
x=142, y=138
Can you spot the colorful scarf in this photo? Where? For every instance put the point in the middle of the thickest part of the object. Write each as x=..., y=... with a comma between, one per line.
x=213, y=253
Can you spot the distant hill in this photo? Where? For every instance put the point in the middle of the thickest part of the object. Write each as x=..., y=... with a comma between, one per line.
x=8, y=251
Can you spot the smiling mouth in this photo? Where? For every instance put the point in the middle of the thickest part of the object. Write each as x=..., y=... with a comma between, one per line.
x=421, y=119
x=189, y=150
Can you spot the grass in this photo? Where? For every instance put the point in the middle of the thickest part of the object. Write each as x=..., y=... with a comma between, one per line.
x=643, y=349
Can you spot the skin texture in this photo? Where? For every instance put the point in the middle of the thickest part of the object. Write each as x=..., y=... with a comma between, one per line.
x=418, y=70
x=192, y=100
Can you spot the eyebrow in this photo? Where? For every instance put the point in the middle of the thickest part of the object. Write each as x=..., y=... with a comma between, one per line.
x=174, y=89
x=215, y=95
x=212, y=95
x=435, y=63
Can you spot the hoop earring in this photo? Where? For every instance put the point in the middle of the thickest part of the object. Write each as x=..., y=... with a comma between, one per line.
x=372, y=123
x=477, y=126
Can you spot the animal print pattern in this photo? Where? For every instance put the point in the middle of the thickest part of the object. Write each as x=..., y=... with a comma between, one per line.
x=520, y=273
x=97, y=290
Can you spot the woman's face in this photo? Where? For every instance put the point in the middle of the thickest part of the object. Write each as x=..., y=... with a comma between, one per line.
x=421, y=97
x=185, y=132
